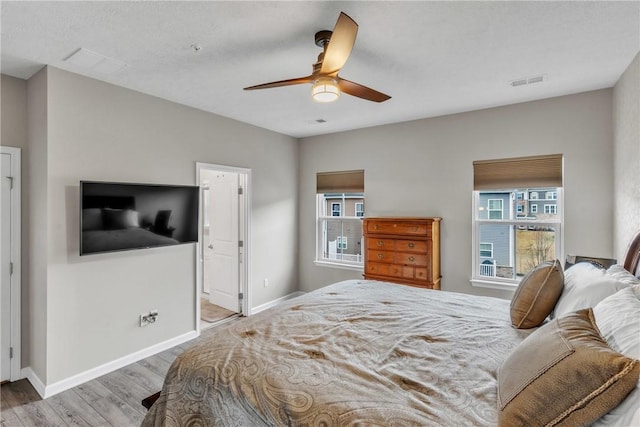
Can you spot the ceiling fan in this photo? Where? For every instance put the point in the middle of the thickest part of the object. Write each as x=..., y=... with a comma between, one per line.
x=327, y=84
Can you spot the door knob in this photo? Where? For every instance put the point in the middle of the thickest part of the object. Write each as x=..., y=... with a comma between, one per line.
x=210, y=246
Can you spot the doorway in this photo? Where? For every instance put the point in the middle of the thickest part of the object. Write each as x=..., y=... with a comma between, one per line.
x=223, y=249
x=10, y=235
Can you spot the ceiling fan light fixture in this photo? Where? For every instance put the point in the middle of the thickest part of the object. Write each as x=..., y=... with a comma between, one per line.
x=325, y=89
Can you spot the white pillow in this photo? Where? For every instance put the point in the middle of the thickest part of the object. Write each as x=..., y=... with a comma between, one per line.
x=621, y=275
x=585, y=285
x=618, y=319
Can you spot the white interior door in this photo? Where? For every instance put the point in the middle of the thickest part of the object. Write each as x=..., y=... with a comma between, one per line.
x=5, y=294
x=222, y=259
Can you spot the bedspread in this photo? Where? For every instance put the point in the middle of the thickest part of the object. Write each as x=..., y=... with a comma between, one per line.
x=353, y=352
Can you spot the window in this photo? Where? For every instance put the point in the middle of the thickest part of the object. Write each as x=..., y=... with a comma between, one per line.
x=342, y=242
x=486, y=250
x=340, y=208
x=510, y=236
x=495, y=209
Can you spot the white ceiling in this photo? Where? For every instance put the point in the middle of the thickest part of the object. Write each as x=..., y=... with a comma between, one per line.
x=433, y=58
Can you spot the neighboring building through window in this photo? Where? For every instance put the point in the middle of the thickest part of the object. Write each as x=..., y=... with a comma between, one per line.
x=515, y=228
x=340, y=209
x=339, y=222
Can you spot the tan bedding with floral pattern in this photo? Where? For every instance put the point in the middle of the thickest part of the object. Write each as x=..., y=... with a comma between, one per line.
x=354, y=352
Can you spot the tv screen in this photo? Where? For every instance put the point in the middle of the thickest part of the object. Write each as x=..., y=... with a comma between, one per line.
x=122, y=216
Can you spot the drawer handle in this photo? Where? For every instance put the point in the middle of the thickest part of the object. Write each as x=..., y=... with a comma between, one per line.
x=375, y=226
x=411, y=245
x=412, y=258
x=415, y=228
x=380, y=256
x=380, y=243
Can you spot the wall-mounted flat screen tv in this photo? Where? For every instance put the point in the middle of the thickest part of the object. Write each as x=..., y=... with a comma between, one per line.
x=122, y=216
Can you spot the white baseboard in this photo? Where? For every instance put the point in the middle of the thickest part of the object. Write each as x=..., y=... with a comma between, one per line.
x=275, y=302
x=49, y=390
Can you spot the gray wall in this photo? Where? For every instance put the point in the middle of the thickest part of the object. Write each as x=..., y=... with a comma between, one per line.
x=626, y=107
x=13, y=133
x=96, y=131
x=424, y=168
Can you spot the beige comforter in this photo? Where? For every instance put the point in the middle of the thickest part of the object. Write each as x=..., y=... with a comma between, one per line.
x=356, y=352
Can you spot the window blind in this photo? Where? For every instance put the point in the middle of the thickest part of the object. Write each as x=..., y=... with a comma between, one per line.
x=519, y=172
x=340, y=182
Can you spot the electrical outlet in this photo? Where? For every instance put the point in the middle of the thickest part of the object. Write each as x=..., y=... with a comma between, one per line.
x=143, y=320
x=265, y=282
x=147, y=319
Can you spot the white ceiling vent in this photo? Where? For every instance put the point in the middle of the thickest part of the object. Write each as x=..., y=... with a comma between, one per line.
x=87, y=59
x=527, y=81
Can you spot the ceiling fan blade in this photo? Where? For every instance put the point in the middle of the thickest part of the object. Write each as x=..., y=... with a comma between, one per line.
x=288, y=82
x=356, y=89
x=340, y=45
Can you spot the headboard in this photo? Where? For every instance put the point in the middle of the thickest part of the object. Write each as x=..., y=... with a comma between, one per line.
x=632, y=259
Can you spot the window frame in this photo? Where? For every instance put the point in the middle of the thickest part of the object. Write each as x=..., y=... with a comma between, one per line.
x=321, y=220
x=556, y=223
x=552, y=207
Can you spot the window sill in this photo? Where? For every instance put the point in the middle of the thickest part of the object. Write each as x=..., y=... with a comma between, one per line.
x=342, y=266
x=503, y=286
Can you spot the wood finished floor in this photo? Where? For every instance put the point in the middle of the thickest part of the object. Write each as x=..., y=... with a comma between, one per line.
x=113, y=399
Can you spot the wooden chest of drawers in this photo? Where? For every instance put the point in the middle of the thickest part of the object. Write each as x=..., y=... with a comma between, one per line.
x=403, y=250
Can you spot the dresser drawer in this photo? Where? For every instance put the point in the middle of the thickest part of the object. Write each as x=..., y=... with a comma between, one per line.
x=417, y=273
x=404, y=228
x=380, y=256
x=411, y=246
x=380, y=244
x=377, y=269
x=411, y=259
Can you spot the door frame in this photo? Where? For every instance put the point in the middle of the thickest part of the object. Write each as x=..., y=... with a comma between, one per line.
x=244, y=234
x=16, y=259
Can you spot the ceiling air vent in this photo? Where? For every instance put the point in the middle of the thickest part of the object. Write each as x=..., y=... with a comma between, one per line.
x=527, y=81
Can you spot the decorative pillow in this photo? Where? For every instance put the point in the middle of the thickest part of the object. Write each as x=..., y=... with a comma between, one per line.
x=116, y=219
x=585, y=285
x=563, y=374
x=91, y=219
x=536, y=295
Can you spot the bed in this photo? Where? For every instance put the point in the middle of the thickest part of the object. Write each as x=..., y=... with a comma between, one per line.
x=112, y=223
x=364, y=352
